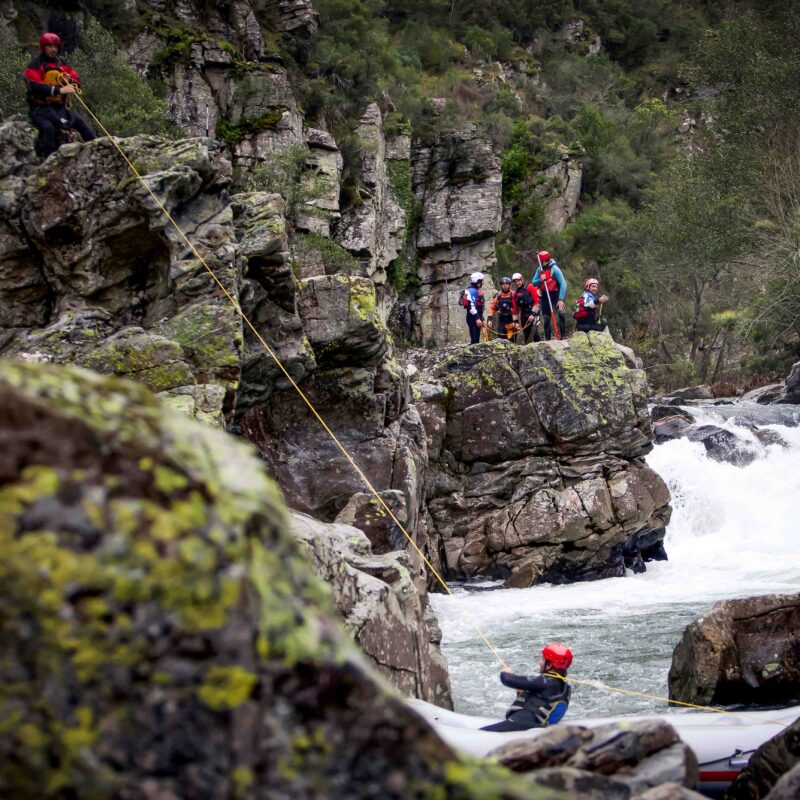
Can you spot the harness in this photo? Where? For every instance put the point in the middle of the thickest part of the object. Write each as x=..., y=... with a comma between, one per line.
x=524, y=301
x=546, y=710
x=505, y=305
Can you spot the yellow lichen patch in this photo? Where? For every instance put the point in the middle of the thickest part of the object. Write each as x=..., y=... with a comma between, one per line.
x=226, y=687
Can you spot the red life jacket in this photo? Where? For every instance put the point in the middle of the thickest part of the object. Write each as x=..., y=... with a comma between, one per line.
x=581, y=311
x=547, y=281
x=41, y=76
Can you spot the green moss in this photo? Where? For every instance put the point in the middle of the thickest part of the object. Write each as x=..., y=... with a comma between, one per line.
x=363, y=302
x=234, y=132
x=225, y=688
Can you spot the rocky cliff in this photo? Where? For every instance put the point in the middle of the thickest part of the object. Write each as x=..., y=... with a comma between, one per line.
x=95, y=275
x=536, y=471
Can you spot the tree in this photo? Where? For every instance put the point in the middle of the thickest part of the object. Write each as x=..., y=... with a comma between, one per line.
x=113, y=90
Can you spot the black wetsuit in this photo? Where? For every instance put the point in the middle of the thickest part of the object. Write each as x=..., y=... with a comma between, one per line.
x=535, y=697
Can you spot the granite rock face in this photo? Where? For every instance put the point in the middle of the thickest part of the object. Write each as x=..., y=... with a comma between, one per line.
x=742, y=652
x=162, y=634
x=97, y=276
x=379, y=603
x=536, y=471
x=457, y=184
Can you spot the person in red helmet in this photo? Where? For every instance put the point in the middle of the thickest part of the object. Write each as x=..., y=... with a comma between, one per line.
x=587, y=308
x=542, y=699
x=552, y=286
x=51, y=81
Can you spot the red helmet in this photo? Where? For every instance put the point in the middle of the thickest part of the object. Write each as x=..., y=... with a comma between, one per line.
x=543, y=256
x=49, y=38
x=589, y=281
x=559, y=655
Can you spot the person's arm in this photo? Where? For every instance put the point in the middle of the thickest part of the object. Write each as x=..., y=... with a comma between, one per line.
x=537, y=277
x=534, y=293
x=35, y=86
x=562, y=283
x=532, y=683
x=71, y=72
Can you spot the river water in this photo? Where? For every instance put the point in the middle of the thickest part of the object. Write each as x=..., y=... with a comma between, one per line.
x=733, y=533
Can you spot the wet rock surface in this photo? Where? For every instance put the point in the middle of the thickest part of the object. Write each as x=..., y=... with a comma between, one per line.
x=536, y=470
x=743, y=652
x=162, y=634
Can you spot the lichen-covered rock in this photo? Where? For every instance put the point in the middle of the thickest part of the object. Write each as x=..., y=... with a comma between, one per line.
x=542, y=446
x=379, y=601
x=561, y=190
x=742, y=652
x=639, y=754
x=373, y=227
x=162, y=635
x=110, y=283
x=792, y=386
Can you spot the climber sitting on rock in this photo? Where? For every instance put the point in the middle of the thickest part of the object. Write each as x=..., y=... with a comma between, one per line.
x=51, y=82
x=504, y=307
x=542, y=699
x=588, y=308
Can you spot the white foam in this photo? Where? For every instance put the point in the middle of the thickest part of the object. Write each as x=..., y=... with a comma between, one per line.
x=732, y=534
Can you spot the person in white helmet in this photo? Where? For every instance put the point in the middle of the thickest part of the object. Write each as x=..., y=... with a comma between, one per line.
x=526, y=298
x=473, y=300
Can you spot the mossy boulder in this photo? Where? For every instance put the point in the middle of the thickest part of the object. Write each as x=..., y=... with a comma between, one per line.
x=543, y=444
x=162, y=635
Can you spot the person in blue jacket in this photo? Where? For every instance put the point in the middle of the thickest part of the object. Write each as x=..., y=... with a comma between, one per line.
x=543, y=699
x=473, y=300
x=552, y=286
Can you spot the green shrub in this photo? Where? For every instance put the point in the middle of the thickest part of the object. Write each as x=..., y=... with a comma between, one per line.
x=113, y=90
x=13, y=61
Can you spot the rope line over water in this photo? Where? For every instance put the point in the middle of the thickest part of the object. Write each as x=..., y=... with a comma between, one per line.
x=346, y=454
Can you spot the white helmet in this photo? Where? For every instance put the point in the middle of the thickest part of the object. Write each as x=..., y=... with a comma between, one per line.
x=517, y=276
x=476, y=276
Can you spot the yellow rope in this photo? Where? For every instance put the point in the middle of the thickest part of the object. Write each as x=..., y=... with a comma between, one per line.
x=342, y=448
x=646, y=696
x=291, y=380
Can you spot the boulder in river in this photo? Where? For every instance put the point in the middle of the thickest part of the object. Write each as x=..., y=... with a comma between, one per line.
x=723, y=445
x=743, y=652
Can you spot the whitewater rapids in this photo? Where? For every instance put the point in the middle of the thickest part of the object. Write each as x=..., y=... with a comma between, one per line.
x=732, y=534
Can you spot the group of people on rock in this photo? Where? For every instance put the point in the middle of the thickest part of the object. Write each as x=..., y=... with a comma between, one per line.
x=519, y=305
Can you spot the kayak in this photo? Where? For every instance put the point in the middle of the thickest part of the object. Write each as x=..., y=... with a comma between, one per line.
x=723, y=743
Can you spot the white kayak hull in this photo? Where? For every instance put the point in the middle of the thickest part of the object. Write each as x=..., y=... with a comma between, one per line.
x=723, y=743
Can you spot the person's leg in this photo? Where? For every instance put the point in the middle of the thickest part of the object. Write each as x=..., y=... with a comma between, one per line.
x=47, y=132
x=506, y=725
x=474, y=330
x=83, y=128
x=562, y=323
x=547, y=321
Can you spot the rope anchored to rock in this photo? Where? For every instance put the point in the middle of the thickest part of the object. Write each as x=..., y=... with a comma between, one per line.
x=245, y=319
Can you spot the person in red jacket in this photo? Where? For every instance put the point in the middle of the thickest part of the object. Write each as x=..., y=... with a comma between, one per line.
x=51, y=81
